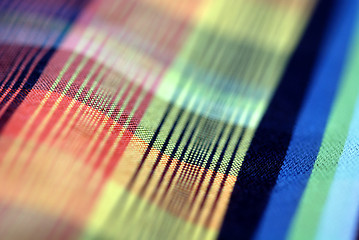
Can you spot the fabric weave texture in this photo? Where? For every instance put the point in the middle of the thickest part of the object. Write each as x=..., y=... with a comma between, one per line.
x=179, y=119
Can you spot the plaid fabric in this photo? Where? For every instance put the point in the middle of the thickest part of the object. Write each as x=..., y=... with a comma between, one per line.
x=181, y=119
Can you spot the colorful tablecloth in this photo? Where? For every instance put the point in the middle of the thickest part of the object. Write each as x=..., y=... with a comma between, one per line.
x=179, y=119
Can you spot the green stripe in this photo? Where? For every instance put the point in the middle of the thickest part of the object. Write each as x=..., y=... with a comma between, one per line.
x=308, y=215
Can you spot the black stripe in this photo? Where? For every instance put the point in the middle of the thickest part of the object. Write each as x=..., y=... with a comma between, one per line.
x=163, y=149
x=19, y=80
x=224, y=180
x=40, y=66
x=216, y=169
x=265, y=156
x=12, y=63
x=180, y=159
x=206, y=167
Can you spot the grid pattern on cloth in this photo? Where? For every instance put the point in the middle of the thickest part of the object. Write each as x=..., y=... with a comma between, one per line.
x=181, y=119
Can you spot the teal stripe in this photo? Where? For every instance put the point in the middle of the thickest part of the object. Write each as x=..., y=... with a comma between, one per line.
x=309, y=129
x=340, y=215
x=308, y=215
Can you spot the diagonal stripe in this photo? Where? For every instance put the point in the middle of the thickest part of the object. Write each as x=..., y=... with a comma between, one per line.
x=265, y=156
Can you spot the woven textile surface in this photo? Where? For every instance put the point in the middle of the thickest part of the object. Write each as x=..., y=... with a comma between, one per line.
x=179, y=119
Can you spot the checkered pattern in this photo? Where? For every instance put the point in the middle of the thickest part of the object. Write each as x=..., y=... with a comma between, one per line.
x=181, y=119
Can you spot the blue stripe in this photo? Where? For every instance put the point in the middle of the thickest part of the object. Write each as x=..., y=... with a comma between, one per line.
x=308, y=132
x=263, y=161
